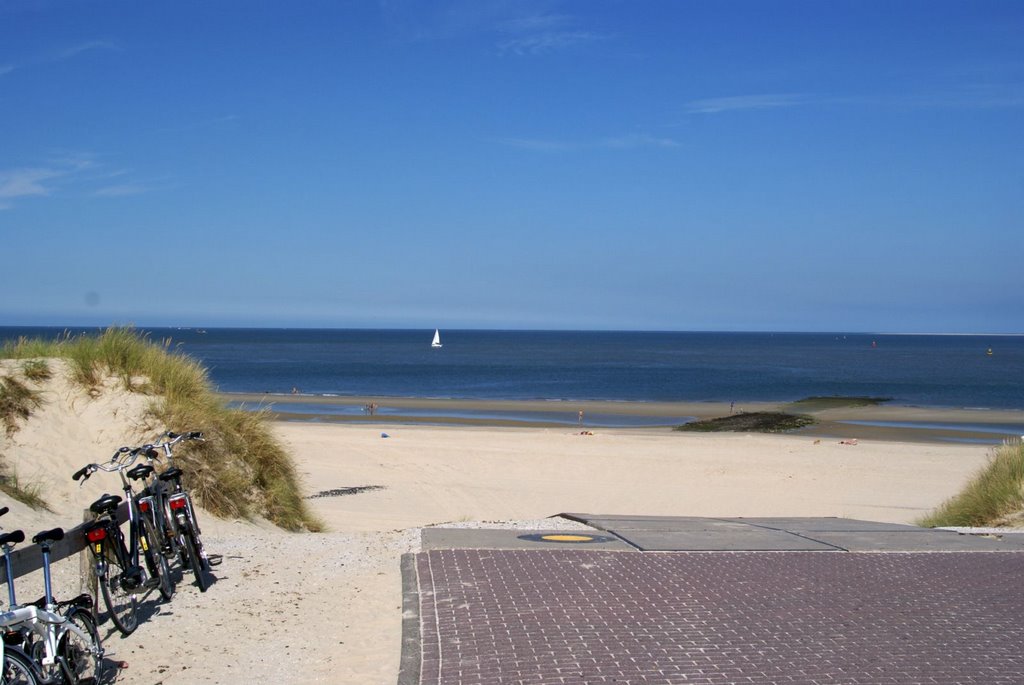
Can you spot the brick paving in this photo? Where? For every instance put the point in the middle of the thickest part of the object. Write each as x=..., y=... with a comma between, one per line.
x=581, y=617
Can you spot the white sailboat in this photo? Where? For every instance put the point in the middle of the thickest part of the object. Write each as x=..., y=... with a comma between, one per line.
x=437, y=339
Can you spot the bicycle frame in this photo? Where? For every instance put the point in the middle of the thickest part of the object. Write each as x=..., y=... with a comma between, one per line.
x=106, y=537
x=44, y=622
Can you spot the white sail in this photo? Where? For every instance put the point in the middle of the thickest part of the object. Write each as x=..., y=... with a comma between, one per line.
x=437, y=339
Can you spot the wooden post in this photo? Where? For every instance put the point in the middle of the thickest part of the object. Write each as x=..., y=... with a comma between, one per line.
x=87, y=568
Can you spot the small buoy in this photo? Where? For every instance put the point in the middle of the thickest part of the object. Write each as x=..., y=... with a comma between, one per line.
x=384, y=435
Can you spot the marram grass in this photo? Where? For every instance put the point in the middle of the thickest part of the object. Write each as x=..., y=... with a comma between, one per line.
x=16, y=402
x=240, y=470
x=17, y=488
x=993, y=497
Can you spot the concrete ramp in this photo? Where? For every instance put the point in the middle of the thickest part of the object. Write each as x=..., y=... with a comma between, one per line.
x=699, y=534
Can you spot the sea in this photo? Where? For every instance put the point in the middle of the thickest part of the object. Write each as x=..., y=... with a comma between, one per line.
x=963, y=371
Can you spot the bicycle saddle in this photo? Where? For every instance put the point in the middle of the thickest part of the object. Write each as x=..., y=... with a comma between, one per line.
x=139, y=472
x=15, y=536
x=52, y=535
x=173, y=473
x=105, y=504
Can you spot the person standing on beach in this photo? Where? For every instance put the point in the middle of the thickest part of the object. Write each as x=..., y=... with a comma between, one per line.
x=581, y=417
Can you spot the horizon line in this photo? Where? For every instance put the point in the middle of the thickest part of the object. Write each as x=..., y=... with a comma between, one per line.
x=510, y=330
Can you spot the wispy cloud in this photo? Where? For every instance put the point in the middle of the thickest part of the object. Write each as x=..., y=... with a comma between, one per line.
x=630, y=141
x=541, y=33
x=203, y=123
x=745, y=102
x=122, y=190
x=40, y=180
x=548, y=41
x=636, y=140
x=965, y=96
x=76, y=174
x=59, y=55
x=517, y=28
x=971, y=96
x=26, y=182
x=71, y=51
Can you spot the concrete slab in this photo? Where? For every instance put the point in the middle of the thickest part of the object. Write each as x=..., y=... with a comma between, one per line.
x=662, y=523
x=687, y=533
x=921, y=540
x=746, y=539
x=807, y=525
x=487, y=538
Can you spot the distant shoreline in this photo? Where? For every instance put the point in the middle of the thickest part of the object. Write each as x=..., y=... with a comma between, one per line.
x=900, y=423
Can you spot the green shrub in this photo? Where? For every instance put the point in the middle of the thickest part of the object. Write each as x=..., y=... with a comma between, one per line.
x=993, y=495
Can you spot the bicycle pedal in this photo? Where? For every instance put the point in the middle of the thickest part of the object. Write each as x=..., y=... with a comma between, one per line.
x=214, y=559
x=151, y=583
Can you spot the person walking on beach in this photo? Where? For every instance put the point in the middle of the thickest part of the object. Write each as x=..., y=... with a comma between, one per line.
x=581, y=417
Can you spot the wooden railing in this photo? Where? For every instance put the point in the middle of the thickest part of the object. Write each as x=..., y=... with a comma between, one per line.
x=25, y=560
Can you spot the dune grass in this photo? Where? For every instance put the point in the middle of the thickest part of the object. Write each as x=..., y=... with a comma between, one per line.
x=36, y=370
x=993, y=497
x=16, y=402
x=240, y=470
x=17, y=488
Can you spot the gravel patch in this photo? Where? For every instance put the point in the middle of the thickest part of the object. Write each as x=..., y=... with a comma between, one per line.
x=984, y=531
x=553, y=523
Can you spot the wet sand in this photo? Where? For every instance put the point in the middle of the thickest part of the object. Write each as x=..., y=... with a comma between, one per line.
x=930, y=424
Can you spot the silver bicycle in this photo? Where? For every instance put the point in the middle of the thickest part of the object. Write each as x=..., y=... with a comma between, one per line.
x=47, y=642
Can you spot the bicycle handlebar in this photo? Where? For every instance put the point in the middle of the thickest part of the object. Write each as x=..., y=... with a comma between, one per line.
x=119, y=462
x=178, y=437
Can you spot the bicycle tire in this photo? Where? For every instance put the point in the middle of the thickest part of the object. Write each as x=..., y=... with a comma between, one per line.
x=122, y=604
x=81, y=657
x=195, y=561
x=17, y=669
x=158, y=567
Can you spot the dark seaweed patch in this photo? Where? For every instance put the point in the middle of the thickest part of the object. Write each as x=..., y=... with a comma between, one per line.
x=341, y=492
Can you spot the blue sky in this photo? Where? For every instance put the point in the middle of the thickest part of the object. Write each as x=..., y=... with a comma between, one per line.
x=673, y=165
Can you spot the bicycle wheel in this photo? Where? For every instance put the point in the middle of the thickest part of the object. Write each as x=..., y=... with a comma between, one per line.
x=119, y=597
x=195, y=561
x=17, y=670
x=158, y=567
x=80, y=655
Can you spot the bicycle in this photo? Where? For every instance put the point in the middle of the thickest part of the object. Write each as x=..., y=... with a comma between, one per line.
x=17, y=667
x=47, y=642
x=171, y=507
x=155, y=524
x=118, y=572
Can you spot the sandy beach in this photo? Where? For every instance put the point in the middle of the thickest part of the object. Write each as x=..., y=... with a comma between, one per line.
x=344, y=586
x=326, y=608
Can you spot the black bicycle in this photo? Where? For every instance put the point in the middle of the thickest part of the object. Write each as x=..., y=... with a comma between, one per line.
x=172, y=510
x=119, y=574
